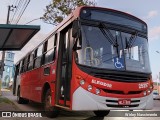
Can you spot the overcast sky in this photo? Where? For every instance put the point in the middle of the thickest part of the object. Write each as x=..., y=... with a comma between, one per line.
x=147, y=10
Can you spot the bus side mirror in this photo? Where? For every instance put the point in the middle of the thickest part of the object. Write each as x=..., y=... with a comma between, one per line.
x=76, y=33
x=75, y=29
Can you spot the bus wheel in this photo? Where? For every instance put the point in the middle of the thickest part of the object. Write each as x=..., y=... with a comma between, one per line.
x=21, y=100
x=50, y=111
x=101, y=113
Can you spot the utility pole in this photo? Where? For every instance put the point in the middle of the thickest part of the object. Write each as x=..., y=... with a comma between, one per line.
x=9, y=9
x=3, y=52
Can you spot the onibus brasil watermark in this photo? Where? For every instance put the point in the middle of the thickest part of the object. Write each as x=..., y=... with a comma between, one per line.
x=21, y=114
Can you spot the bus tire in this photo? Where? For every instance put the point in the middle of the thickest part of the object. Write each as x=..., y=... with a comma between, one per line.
x=101, y=113
x=21, y=100
x=50, y=111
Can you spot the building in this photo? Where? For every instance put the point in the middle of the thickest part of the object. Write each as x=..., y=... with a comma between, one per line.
x=8, y=72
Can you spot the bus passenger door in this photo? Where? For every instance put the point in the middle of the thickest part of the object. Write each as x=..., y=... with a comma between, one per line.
x=64, y=70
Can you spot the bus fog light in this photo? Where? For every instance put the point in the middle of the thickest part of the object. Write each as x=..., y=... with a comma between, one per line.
x=97, y=91
x=89, y=87
x=82, y=82
x=144, y=93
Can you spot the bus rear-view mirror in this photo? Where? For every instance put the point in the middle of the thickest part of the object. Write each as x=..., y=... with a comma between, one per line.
x=75, y=29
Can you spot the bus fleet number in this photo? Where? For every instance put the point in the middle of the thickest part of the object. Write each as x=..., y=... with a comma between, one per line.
x=143, y=85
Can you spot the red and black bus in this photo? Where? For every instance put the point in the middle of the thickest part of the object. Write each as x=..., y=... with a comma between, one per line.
x=95, y=60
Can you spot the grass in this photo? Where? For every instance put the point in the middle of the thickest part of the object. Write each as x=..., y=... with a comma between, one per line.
x=7, y=105
x=5, y=100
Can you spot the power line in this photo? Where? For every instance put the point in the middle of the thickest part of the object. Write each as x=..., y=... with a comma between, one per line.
x=18, y=10
x=33, y=20
x=18, y=6
x=23, y=11
x=15, y=2
x=21, y=6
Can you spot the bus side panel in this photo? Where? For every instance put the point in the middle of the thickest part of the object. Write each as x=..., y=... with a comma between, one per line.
x=49, y=78
x=24, y=86
x=36, y=84
x=31, y=85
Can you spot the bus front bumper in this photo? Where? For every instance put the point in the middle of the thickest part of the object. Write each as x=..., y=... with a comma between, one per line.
x=84, y=100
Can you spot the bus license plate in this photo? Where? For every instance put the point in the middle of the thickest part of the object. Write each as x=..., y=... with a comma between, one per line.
x=124, y=102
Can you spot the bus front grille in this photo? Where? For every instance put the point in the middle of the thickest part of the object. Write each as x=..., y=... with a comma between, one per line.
x=121, y=77
x=121, y=92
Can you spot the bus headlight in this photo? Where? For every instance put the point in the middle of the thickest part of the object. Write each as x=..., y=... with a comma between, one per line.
x=97, y=91
x=89, y=87
x=82, y=82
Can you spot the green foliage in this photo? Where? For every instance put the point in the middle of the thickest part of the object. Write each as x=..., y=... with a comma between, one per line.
x=56, y=11
x=5, y=100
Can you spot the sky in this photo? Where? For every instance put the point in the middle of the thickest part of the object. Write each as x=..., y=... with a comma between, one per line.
x=147, y=10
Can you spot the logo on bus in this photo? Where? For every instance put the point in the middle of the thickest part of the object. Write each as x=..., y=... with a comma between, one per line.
x=102, y=83
x=118, y=63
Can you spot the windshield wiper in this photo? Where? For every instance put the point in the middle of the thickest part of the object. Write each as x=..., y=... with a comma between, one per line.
x=109, y=36
x=131, y=41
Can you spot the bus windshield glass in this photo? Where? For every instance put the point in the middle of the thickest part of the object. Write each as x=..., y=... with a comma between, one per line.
x=113, y=17
x=99, y=50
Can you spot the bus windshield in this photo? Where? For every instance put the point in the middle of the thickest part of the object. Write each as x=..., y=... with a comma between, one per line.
x=98, y=50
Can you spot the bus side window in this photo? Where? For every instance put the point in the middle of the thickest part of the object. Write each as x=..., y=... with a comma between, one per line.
x=17, y=69
x=31, y=61
x=44, y=52
x=35, y=55
x=50, y=53
x=38, y=57
x=27, y=65
x=21, y=66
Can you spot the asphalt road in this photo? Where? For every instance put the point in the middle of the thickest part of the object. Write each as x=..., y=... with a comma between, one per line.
x=67, y=115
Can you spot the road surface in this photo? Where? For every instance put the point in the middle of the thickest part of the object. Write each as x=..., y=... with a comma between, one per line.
x=64, y=115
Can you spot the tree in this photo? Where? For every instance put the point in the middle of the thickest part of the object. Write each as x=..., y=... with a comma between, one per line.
x=56, y=11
